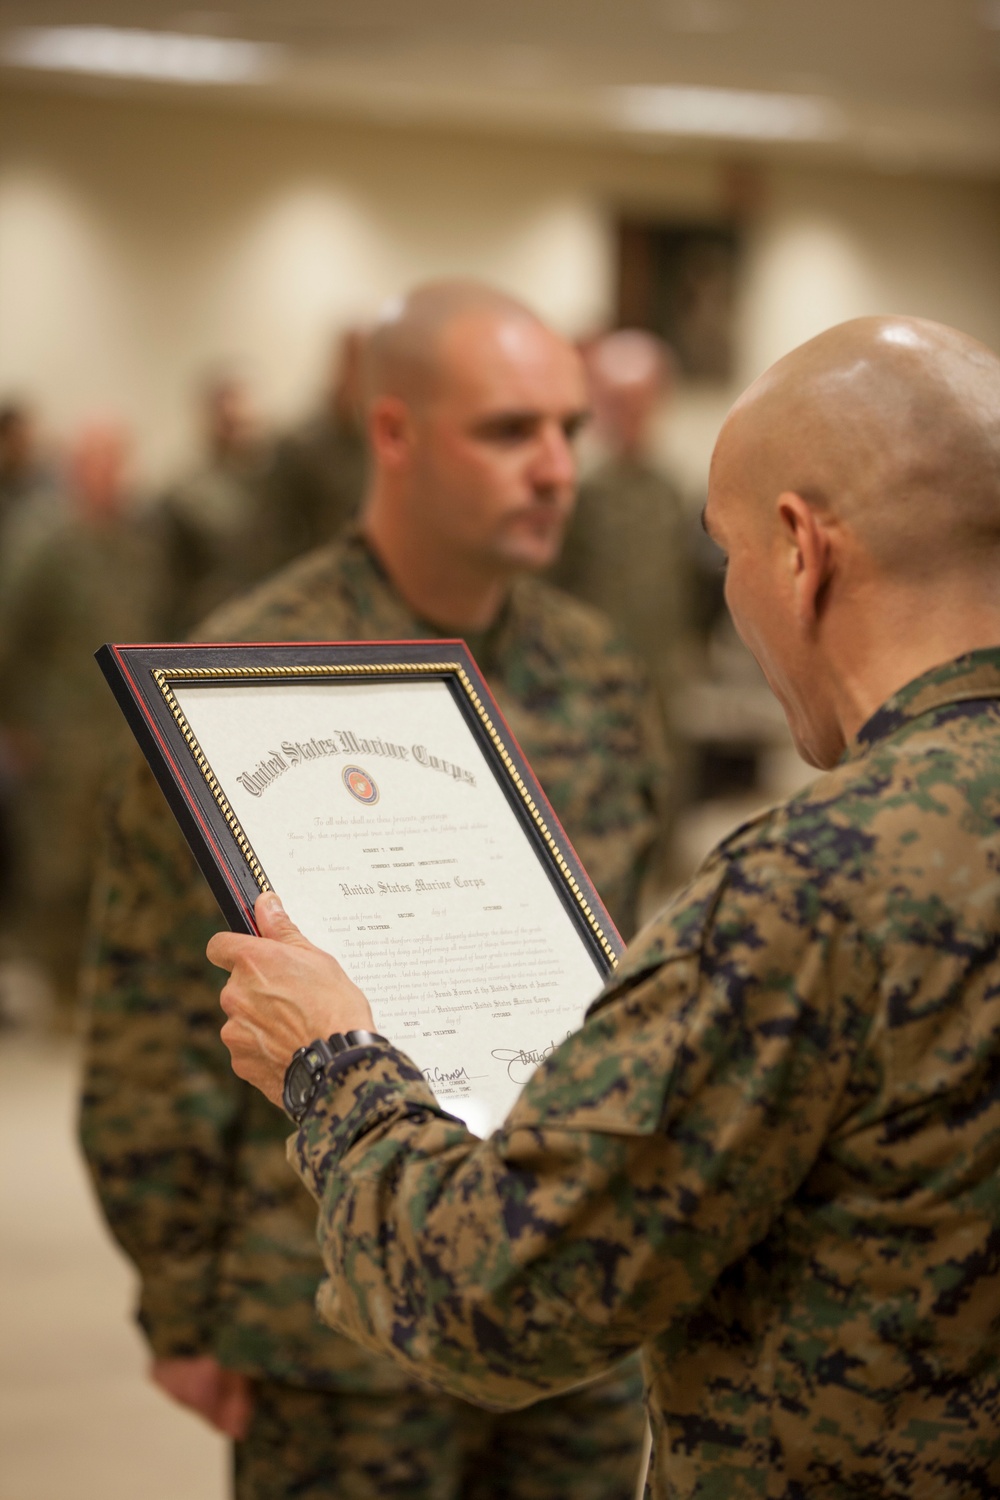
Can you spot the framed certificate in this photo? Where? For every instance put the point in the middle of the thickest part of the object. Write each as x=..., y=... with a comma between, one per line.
x=377, y=789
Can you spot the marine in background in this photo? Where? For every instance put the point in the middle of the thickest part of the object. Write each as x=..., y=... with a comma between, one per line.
x=91, y=578
x=211, y=523
x=626, y=550
x=32, y=495
x=32, y=501
x=318, y=475
x=473, y=408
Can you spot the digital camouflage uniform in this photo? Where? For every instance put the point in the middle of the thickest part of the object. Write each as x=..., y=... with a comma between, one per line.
x=770, y=1157
x=628, y=553
x=189, y=1163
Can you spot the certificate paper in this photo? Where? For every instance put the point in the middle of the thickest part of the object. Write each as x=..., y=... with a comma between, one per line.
x=373, y=809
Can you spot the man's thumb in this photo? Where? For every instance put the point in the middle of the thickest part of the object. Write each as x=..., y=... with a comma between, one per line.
x=273, y=921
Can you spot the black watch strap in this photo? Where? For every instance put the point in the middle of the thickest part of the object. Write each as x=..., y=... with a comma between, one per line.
x=343, y=1041
x=309, y=1067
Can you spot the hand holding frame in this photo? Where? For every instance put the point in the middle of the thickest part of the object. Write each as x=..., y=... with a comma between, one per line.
x=282, y=993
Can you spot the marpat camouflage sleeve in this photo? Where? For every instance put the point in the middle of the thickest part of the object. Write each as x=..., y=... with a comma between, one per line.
x=644, y=1157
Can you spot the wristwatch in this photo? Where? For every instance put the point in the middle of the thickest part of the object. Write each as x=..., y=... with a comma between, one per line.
x=306, y=1070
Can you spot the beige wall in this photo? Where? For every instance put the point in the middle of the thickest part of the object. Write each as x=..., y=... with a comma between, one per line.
x=140, y=242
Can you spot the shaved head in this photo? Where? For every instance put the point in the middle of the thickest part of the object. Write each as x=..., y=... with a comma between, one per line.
x=406, y=351
x=891, y=425
x=473, y=404
x=630, y=373
x=855, y=489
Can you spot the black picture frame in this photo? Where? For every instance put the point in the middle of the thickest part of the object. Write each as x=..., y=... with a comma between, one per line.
x=142, y=676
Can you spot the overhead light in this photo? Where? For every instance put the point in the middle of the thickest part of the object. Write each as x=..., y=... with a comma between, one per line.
x=676, y=109
x=700, y=16
x=166, y=56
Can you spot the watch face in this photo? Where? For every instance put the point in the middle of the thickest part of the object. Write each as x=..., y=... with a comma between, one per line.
x=299, y=1086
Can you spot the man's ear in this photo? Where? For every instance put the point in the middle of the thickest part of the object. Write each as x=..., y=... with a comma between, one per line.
x=390, y=430
x=810, y=553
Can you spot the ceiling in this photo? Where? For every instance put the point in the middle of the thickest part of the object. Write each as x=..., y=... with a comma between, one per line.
x=903, y=83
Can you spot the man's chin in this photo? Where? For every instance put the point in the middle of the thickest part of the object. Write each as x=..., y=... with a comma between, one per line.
x=531, y=553
x=820, y=752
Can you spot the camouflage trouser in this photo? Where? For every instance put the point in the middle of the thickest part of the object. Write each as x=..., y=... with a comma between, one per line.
x=323, y=1445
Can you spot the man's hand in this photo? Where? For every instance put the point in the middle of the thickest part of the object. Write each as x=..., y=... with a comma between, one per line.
x=282, y=993
x=223, y=1397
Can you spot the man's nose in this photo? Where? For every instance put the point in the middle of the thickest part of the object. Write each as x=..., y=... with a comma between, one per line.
x=555, y=464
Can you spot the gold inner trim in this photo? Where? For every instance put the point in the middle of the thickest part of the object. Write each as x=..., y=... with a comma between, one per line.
x=163, y=679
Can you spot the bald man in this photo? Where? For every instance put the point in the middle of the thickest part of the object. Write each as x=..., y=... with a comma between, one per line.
x=771, y=1156
x=473, y=408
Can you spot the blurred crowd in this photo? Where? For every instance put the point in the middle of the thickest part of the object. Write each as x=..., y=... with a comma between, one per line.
x=85, y=558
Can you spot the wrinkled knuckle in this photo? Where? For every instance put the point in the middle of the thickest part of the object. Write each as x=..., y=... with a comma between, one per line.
x=231, y=999
x=232, y=1037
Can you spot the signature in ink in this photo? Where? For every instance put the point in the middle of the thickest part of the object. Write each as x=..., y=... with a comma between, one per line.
x=520, y=1063
x=445, y=1077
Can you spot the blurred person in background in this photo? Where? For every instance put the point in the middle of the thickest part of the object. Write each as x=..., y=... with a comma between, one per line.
x=32, y=497
x=31, y=500
x=210, y=521
x=473, y=407
x=319, y=471
x=17, y=457
x=89, y=579
x=627, y=549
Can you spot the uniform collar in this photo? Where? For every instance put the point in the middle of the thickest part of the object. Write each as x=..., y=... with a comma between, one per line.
x=485, y=645
x=976, y=674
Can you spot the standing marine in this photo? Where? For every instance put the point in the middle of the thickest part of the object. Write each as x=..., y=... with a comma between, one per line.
x=86, y=576
x=473, y=405
x=627, y=550
x=212, y=522
x=771, y=1155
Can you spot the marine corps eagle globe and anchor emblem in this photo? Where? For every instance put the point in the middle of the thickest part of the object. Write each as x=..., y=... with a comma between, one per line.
x=360, y=785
